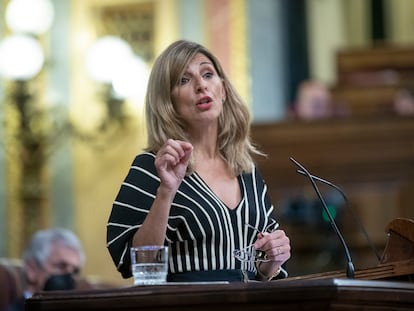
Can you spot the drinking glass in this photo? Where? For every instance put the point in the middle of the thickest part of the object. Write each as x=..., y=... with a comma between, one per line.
x=149, y=264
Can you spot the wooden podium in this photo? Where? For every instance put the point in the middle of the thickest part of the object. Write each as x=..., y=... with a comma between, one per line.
x=377, y=288
x=321, y=294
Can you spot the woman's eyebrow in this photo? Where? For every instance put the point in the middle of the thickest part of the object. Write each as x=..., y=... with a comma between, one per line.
x=206, y=63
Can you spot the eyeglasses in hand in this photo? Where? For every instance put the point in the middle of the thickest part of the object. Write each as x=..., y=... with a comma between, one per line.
x=249, y=253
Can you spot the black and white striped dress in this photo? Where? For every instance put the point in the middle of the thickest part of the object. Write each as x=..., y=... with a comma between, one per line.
x=202, y=231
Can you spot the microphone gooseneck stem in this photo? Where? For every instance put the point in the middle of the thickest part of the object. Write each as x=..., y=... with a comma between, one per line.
x=350, y=271
x=354, y=215
x=324, y=181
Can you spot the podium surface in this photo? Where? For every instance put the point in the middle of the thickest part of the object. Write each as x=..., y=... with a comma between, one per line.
x=374, y=288
x=288, y=294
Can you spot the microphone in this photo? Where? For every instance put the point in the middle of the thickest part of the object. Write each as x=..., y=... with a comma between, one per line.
x=354, y=215
x=350, y=270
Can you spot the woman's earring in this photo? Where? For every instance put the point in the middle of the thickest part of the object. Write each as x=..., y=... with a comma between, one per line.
x=223, y=100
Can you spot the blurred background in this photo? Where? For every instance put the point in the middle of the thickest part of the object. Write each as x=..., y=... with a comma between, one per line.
x=72, y=82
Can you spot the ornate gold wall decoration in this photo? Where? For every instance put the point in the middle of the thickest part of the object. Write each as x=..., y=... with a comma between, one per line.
x=132, y=22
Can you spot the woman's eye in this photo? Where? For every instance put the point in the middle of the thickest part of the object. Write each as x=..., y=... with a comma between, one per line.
x=184, y=81
x=208, y=74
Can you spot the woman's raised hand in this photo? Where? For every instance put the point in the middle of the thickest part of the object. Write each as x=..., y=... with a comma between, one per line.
x=171, y=163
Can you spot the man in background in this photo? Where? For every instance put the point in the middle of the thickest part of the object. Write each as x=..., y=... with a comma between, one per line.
x=51, y=261
x=313, y=101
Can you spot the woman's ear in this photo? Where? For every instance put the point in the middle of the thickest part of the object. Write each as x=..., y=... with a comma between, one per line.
x=223, y=98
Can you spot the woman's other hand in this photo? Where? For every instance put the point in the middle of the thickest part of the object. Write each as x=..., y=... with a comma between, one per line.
x=276, y=245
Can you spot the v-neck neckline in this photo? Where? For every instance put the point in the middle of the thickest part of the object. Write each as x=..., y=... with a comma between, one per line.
x=241, y=187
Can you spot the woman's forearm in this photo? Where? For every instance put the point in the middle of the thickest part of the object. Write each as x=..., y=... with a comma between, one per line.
x=153, y=229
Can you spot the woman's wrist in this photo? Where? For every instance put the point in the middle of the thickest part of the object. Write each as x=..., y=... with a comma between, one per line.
x=265, y=277
x=165, y=193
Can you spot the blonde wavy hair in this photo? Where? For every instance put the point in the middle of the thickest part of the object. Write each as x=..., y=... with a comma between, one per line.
x=163, y=121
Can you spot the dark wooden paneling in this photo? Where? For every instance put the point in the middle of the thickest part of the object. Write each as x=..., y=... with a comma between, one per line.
x=368, y=78
x=371, y=159
x=349, y=150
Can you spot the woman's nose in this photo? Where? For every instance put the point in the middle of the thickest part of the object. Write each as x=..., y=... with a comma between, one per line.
x=200, y=84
